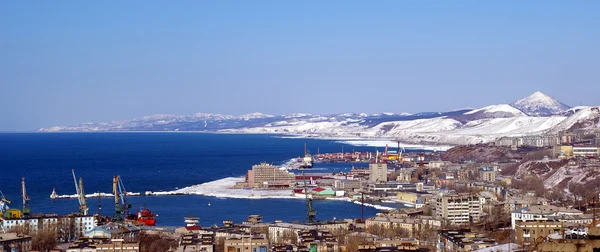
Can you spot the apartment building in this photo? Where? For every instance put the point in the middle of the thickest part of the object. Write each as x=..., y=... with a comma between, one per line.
x=269, y=176
x=378, y=172
x=459, y=209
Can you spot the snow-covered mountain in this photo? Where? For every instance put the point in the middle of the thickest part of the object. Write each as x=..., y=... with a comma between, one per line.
x=540, y=104
x=497, y=111
x=453, y=128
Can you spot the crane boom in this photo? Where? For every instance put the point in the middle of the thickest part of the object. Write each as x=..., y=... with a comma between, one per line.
x=25, y=198
x=83, y=202
x=3, y=203
x=118, y=208
x=121, y=207
x=83, y=208
x=76, y=187
x=309, y=206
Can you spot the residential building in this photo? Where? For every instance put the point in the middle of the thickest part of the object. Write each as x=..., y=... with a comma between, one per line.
x=459, y=209
x=74, y=225
x=103, y=245
x=378, y=172
x=203, y=241
x=487, y=174
x=592, y=243
x=124, y=231
x=269, y=176
x=462, y=240
x=247, y=243
x=526, y=232
x=318, y=240
x=279, y=230
x=411, y=225
x=585, y=151
x=289, y=248
x=15, y=242
x=513, y=203
x=541, y=212
x=401, y=244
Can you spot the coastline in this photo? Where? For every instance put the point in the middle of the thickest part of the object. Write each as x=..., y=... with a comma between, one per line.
x=223, y=188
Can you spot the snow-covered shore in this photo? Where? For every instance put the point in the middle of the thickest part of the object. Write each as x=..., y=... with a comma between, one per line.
x=223, y=188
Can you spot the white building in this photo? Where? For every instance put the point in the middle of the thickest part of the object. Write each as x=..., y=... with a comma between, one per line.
x=585, y=151
x=81, y=224
x=541, y=212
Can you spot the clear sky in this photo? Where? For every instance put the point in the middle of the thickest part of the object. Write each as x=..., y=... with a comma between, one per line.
x=68, y=62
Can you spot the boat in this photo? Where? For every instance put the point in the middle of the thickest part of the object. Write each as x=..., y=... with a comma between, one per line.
x=53, y=195
x=307, y=161
x=146, y=217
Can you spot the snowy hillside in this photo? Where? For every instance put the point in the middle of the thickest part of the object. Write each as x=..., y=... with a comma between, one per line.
x=528, y=116
x=497, y=111
x=585, y=118
x=540, y=104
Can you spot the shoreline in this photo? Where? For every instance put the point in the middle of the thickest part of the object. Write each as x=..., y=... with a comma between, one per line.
x=223, y=189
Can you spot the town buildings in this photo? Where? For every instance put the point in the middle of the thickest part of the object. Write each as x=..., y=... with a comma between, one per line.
x=72, y=226
x=541, y=212
x=247, y=243
x=462, y=240
x=103, y=245
x=15, y=242
x=458, y=209
x=527, y=232
x=411, y=225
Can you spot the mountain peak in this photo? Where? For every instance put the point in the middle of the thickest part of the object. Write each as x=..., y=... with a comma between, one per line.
x=540, y=104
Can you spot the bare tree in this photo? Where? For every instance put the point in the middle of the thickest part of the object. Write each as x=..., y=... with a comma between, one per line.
x=42, y=240
x=220, y=244
x=353, y=242
x=289, y=237
x=156, y=243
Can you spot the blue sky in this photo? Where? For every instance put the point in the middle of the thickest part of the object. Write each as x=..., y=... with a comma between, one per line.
x=67, y=62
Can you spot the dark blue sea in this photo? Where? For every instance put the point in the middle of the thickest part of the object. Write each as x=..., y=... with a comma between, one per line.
x=158, y=162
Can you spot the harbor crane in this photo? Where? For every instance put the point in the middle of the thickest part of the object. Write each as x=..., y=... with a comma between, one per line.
x=25, y=198
x=121, y=207
x=83, y=208
x=309, y=206
x=3, y=203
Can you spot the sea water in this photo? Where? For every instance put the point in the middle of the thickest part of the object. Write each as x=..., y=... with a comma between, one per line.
x=159, y=162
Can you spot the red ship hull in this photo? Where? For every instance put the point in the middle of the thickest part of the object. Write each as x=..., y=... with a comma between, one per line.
x=147, y=221
x=146, y=217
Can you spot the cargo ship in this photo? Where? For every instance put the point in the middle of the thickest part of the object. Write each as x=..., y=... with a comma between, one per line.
x=146, y=217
